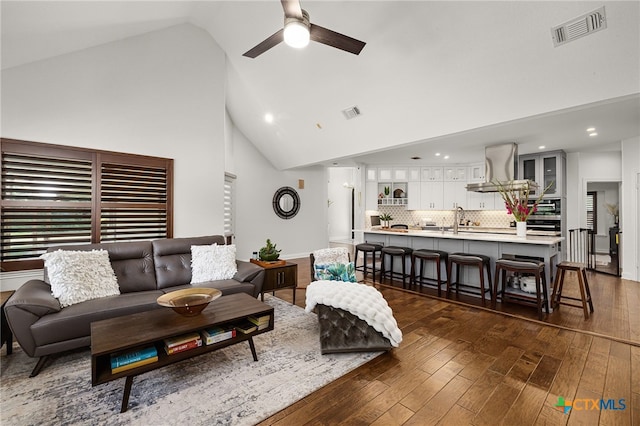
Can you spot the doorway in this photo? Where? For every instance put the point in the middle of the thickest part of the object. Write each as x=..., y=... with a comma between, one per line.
x=603, y=219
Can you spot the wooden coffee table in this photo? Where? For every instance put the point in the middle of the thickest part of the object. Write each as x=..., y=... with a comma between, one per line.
x=143, y=329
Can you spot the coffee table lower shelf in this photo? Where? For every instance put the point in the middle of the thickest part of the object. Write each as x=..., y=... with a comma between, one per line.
x=152, y=327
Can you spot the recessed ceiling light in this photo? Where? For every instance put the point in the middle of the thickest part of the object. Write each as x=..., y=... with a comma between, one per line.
x=592, y=134
x=541, y=147
x=415, y=157
x=446, y=157
x=268, y=117
x=437, y=154
x=591, y=129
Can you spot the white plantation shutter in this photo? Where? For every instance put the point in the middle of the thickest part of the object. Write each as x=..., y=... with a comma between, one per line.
x=229, y=212
x=591, y=202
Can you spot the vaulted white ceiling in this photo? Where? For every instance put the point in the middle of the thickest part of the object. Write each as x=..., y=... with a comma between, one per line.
x=442, y=76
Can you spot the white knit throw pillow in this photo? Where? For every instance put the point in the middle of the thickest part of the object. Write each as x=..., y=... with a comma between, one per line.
x=214, y=262
x=77, y=276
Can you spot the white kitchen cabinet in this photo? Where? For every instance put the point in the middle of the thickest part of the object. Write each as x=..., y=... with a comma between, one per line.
x=545, y=168
x=431, y=195
x=371, y=195
x=476, y=172
x=432, y=174
x=482, y=201
x=400, y=174
x=455, y=195
x=455, y=174
x=385, y=174
x=414, y=174
x=372, y=174
x=413, y=196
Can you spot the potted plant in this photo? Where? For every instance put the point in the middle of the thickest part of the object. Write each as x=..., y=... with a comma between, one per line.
x=385, y=218
x=269, y=252
x=386, y=191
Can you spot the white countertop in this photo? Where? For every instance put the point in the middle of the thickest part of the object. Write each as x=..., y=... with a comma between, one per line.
x=466, y=235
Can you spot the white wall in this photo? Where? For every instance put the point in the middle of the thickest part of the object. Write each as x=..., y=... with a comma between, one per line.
x=587, y=167
x=257, y=180
x=159, y=94
x=629, y=205
x=162, y=94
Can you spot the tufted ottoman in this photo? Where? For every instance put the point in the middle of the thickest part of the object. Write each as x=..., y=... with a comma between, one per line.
x=341, y=331
x=353, y=317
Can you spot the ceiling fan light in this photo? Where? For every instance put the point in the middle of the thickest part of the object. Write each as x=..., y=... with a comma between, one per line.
x=296, y=34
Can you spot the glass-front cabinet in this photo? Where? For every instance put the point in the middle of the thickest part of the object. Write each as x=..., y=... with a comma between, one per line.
x=546, y=169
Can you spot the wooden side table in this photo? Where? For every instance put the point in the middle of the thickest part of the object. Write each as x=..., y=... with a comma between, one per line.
x=279, y=275
x=5, y=331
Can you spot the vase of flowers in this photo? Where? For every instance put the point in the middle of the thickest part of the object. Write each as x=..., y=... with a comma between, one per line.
x=516, y=201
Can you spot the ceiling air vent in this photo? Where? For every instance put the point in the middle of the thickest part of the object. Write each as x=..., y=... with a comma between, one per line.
x=352, y=112
x=579, y=27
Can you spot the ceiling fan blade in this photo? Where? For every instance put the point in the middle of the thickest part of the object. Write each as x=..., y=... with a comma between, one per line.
x=267, y=44
x=337, y=40
x=292, y=8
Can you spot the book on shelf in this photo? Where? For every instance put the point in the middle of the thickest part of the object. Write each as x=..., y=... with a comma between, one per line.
x=180, y=340
x=136, y=364
x=195, y=343
x=218, y=334
x=261, y=320
x=246, y=327
x=123, y=358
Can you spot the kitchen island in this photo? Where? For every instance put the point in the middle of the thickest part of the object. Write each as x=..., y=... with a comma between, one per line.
x=494, y=245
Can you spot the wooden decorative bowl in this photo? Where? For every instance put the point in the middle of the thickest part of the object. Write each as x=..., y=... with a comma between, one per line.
x=189, y=302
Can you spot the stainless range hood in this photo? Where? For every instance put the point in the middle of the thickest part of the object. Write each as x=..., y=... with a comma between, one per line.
x=501, y=165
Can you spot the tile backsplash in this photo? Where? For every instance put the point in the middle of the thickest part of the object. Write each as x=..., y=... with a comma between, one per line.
x=486, y=218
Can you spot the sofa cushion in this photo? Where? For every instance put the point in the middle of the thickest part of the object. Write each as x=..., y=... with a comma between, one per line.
x=172, y=258
x=132, y=263
x=75, y=321
x=77, y=276
x=213, y=262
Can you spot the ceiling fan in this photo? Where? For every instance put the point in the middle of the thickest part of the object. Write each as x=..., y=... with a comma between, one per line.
x=298, y=31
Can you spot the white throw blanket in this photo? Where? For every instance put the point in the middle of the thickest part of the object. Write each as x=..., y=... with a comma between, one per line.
x=361, y=300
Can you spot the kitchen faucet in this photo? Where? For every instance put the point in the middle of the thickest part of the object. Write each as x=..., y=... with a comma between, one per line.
x=456, y=219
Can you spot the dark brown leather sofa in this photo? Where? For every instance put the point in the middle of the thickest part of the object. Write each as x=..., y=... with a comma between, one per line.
x=145, y=270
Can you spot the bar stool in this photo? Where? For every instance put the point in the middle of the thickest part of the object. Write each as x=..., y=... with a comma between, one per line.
x=480, y=261
x=580, y=245
x=394, y=252
x=583, y=285
x=419, y=258
x=367, y=248
x=534, y=267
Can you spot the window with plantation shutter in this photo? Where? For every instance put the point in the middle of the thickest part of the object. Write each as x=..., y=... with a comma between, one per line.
x=229, y=187
x=592, y=216
x=56, y=195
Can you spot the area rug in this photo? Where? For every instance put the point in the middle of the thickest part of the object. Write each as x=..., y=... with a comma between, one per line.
x=224, y=387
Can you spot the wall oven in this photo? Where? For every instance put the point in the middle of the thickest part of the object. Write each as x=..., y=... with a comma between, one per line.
x=547, y=217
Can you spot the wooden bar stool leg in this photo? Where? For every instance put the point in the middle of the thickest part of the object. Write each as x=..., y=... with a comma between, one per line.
x=582, y=293
x=539, y=296
x=373, y=267
x=437, y=273
x=481, y=267
x=545, y=292
x=586, y=287
x=449, y=277
x=494, y=296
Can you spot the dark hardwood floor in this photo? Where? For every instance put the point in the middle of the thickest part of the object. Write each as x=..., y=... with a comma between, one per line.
x=461, y=364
